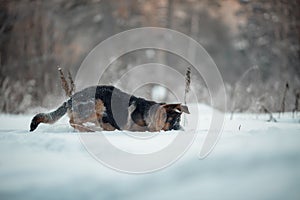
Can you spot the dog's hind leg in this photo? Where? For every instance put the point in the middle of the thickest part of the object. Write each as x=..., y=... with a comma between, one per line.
x=81, y=127
x=76, y=124
x=100, y=111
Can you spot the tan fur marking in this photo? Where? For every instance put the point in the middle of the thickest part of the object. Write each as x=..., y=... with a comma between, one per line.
x=166, y=127
x=108, y=127
x=42, y=120
x=157, y=119
x=136, y=127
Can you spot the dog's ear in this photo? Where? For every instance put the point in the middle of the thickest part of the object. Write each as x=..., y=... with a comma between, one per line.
x=184, y=109
x=177, y=108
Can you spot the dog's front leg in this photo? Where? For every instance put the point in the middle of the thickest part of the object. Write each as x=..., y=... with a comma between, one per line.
x=156, y=118
x=130, y=122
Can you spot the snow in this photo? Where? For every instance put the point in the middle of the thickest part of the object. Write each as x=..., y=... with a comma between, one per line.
x=253, y=159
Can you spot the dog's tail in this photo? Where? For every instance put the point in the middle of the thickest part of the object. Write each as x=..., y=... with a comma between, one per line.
x=48, y=118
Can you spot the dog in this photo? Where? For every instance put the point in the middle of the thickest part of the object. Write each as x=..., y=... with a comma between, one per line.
x=111, y=109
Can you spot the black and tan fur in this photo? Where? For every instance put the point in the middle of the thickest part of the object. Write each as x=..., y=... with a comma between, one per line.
x=109, y=108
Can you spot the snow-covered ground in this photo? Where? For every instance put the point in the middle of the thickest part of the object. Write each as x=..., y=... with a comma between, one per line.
x=253, y=159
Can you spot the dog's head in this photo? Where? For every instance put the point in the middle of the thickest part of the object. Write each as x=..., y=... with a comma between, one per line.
x=172, y=114
x=160, y=116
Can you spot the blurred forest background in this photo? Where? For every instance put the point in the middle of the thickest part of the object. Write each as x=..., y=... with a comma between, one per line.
x=255, y=44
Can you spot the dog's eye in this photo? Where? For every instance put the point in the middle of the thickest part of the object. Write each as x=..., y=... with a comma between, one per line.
x=177, y=110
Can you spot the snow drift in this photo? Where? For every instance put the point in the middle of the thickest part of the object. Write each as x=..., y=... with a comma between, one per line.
x=253, y=159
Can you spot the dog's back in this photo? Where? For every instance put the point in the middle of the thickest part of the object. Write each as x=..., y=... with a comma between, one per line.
x=117, y=103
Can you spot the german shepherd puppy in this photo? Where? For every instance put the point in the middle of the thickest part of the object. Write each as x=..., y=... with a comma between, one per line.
x=109, y=108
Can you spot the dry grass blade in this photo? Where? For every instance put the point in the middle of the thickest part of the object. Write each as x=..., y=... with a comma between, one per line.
x=64, y=82
x=187, y=83
x=72, y=89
